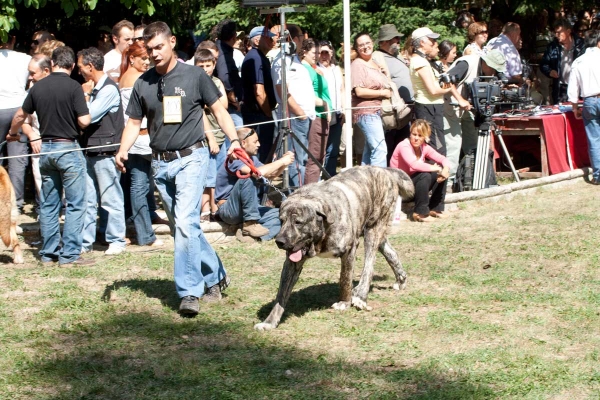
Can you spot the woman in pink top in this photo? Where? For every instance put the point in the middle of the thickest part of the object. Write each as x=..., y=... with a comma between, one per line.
x=411, y=156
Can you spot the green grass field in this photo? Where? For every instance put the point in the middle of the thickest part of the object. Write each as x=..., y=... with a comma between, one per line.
x=502, y=301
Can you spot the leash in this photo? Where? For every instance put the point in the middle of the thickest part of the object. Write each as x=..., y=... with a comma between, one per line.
x=2, y=144
x=247, y=160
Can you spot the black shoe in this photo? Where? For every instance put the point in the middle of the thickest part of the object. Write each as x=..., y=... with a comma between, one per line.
x=189, y=306
x=213, y=294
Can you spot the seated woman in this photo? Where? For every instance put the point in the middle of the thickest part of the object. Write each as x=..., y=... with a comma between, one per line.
x=411, y=156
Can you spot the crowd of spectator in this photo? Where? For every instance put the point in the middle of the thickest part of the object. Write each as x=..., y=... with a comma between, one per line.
x=131, y=82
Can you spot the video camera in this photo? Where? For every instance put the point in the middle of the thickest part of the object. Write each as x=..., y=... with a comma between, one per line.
x=489, y=92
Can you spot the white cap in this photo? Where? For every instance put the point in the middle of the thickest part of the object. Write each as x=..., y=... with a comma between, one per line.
x=425, y=31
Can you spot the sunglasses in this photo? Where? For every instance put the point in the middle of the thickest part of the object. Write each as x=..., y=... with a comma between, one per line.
x=252, y=132
x=482, y=32
x=161, y=89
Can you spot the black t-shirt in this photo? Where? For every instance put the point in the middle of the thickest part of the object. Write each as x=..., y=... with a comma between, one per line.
x=196, y=90
x=58, y=101
x=227, y=71
x=256, y=69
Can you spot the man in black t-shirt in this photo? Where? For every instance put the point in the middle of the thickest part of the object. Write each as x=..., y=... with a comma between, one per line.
x=259, y=94
x=62, y=111
x=172, y=97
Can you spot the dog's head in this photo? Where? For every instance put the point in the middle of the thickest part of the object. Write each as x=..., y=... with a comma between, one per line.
x=303, y=228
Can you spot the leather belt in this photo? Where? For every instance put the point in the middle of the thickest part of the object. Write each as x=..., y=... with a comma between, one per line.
x=58, y=140
x=589, y=97
x=169, y=156
x=100, y=153
x=143, y=132
x=221, y=202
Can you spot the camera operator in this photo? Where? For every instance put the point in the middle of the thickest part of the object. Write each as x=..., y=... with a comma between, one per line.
x=461, y=130
x=429, y=92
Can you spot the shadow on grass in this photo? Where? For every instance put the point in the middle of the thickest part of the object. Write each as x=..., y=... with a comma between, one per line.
x=162, y=289
x=145, y=356
x=316, y=297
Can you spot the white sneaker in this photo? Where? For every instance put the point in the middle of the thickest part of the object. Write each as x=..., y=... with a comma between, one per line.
x=113, y=250
x=84, y=250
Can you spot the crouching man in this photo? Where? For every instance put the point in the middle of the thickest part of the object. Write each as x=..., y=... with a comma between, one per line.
x=237, y=198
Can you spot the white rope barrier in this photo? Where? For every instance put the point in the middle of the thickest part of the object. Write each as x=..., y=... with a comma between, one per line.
x=213, y=130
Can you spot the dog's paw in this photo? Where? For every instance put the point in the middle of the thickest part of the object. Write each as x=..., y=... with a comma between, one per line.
x=399, y=286
x=360, y=304
x=341, y=305
x=264, y=326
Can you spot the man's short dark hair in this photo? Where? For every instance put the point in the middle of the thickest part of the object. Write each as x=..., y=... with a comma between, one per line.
x=203, y=55
x=226, y=30
x=592, y=38
x=42, y=61
x=92, y=56
x=294, y=31
x=63, y=57
x=116, y=29
x=155, y=29
x=562, y=23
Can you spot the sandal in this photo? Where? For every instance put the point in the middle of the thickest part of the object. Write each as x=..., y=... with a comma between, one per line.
x=437, y=214
x=422, y=218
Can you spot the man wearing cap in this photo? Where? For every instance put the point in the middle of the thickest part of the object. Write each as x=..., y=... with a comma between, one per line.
x=429, y=95
x=508, y=42
x=584, y=81
x=389, y=48
x=259, y=94
x=461, y=132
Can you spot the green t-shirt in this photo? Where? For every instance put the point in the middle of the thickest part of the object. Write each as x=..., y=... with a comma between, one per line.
x=321, y=90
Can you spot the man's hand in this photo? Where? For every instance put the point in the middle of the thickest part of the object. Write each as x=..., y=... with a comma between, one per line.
x=554, y=74
x=233, y=146
x=577, y=111
x=465, y=105
x=36, y=145
x=288, y=158
x=88, y=86
x=121, y=158
x=213, y=146
x=13, y=138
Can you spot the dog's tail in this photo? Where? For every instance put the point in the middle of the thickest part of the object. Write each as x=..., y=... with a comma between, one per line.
x=406, y=189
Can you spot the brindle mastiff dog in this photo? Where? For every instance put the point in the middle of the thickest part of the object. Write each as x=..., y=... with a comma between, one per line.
x=328, y=218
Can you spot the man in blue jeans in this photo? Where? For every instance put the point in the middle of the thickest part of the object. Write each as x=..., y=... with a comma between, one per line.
x=238, y=198
x=584, y=81
x=62, y=111
x=172, y=97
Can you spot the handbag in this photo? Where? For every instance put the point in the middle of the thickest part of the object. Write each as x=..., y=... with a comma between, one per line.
x=395, y=113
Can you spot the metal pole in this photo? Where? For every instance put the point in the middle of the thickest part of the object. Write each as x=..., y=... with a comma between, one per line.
x=347, y=84
x=285, y=124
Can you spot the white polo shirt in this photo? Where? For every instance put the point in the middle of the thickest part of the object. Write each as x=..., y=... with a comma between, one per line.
x=14, y=73
x=584, y=80
x=299, y=84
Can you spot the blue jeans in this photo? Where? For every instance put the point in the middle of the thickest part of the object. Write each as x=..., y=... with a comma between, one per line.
x=375, y=150
x=242, y=206
x=333, y=147
x=180, y=184
x=265, y=132
x=16, y=166
x=297, y=168
x=591, y=120
x=62, y=171
x=140, y=169
x=236, y=116
x=104, y=189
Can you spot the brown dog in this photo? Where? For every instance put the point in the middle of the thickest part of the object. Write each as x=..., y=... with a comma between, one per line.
x=8, y=216
x=328, y=218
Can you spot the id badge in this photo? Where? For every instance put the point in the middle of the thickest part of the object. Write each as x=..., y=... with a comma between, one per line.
x=172, y=109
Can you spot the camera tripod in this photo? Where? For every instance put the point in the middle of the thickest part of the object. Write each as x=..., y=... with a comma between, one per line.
x=483, y=147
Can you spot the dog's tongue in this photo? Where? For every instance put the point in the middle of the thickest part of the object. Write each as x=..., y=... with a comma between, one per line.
x=296, y=256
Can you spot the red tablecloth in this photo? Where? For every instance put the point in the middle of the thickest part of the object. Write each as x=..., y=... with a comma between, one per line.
x=557, y=129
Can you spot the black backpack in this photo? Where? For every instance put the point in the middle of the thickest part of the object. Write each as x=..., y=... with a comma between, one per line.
x=466, y=171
